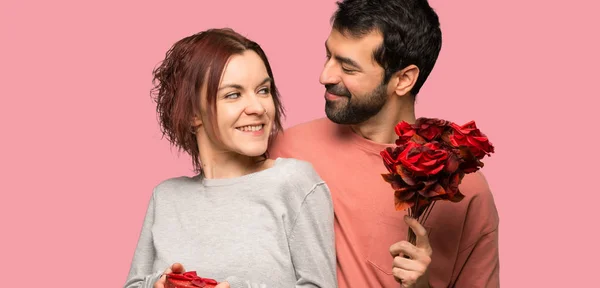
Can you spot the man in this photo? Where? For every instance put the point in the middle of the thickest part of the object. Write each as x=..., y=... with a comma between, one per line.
x=379, y=54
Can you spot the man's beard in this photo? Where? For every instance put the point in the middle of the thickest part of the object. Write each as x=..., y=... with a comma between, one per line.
x=354, y=110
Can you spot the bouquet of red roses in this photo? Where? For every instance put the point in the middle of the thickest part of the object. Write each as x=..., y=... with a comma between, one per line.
x=429, y=161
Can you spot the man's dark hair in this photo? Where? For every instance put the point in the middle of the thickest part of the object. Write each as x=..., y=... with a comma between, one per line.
x=410, y=28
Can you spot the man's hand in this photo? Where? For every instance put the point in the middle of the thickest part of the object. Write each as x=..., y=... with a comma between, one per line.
x=412, y=271
x=175, y=268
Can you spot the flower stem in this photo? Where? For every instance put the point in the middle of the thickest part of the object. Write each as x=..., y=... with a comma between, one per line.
x=412, y=237
x=428, y=211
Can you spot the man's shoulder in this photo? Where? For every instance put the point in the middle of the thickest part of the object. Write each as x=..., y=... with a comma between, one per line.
x=308, y=137
x=311, y=127
x=481, y=203
x=475, y=185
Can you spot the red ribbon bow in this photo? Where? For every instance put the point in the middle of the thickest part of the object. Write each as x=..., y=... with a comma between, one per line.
x=193, y=277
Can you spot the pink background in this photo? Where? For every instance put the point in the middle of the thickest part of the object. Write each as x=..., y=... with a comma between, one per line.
x=81, y=150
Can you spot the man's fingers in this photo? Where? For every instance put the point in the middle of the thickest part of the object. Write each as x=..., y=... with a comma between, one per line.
x=406, y=278
x=420, y=232
x=403, y=248
x=407, y=264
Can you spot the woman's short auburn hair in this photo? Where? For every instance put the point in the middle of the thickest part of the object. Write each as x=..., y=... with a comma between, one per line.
x=191, y=63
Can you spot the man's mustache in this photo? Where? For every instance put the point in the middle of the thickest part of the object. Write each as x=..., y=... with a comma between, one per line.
x=337, y=90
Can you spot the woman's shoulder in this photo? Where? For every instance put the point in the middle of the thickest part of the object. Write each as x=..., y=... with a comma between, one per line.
x=292, y=167
x=297, y=174
x=178, y=184
x=297, y=179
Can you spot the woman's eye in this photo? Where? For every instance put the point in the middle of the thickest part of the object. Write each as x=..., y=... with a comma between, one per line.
x=232, y=95
x=264, y=91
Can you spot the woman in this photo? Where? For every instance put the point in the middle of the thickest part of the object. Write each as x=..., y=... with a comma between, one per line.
x=244, y=220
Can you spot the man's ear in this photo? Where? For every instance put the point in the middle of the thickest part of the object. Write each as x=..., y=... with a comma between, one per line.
x=404, y=80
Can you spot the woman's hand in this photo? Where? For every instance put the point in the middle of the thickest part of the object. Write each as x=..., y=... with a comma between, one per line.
x=175, y=268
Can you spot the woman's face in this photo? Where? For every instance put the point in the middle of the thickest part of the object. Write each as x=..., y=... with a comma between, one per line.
x=244, y=105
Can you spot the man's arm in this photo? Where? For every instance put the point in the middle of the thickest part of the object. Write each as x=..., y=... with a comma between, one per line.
x=483, y=264
x=479, y=252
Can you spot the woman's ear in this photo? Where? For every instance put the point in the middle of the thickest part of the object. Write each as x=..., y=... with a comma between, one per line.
x=197, y=121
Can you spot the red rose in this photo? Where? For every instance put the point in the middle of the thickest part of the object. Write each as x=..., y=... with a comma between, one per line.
x=404, y=131
x=423, y=160
x=390, y=158
x=469, y=135
x=450, y=184
x=430, y=128
x=469, y=163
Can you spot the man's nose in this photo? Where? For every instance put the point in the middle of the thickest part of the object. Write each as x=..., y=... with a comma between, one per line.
x=329, y=75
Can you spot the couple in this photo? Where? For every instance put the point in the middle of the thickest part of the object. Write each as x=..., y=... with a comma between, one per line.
x=260, y=212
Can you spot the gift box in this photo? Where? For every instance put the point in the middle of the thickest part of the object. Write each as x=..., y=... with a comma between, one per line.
x=189, y=280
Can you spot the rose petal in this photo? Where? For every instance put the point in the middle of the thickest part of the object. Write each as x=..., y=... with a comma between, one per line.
x=457, y=197
x=401, y=206
x=403, y=128
x=404, y=131
x=388, y=177
x=429, y=163
x=433, y=190
x=404, y=195
x=418, y=139
x=452, y=164
x=395, y=181
x=436, y=170
x=405, y=176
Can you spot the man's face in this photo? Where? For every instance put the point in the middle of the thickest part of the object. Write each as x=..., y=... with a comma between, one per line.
x=353, y=79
